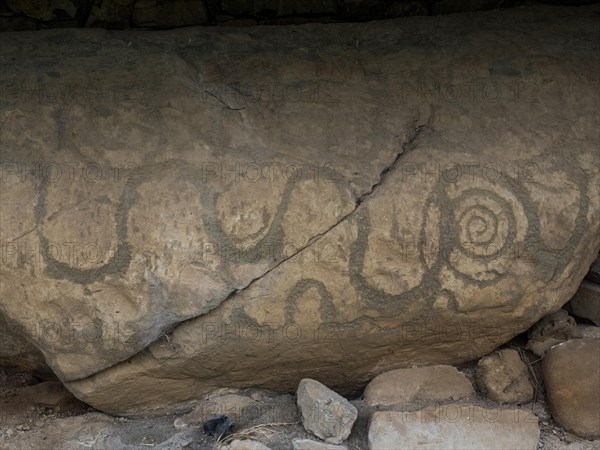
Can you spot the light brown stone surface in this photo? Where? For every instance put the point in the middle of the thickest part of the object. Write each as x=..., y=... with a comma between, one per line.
x=572, y=380
x=325, y=413
x=504, y=377
x=454, y=427
x=187, y=233
x=406, y=388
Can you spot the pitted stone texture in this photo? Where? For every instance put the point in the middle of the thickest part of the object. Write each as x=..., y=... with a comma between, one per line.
x=213, y=231
x=551, y=330
x=504, y=377
x=325, y=413
x=572, y=379
x=456, y=427
x=406, y=388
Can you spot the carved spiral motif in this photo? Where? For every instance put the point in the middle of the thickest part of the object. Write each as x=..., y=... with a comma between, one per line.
x=483, y=224
x=480, y=226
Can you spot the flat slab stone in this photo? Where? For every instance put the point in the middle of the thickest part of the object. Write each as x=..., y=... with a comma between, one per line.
x=402, y=388
x=454, y=427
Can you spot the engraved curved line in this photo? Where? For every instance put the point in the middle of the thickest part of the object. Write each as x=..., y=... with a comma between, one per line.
x=480, y=212
x=275, y=233
x=430, y=283
x=378, y=298
x=116, y=265
x=450, y=225
x=327, y=309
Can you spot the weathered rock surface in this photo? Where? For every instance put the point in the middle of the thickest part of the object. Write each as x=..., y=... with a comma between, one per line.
x=405, y=388
x=586, y=302
x=572, y=380
x=181, y=214
x=454, y=427
x=551, y=330
x=324, y=412
x=504, y=377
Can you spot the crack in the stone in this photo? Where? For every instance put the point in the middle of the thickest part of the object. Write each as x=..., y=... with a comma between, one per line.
x=408, y=145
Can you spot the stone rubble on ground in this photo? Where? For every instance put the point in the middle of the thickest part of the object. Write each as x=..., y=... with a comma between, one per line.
x=504, y=377
x=406, y=388
x=454, y=427
x=231, y=405
x=309, y=444
x=325, y=413
x=550, y=330
x=571, y=372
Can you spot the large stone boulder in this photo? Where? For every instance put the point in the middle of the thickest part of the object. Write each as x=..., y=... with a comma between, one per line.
x=194, y=209
x=572, y=379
